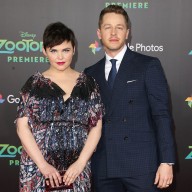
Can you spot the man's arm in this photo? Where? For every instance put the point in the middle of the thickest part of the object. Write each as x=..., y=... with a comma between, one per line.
x=158, y=96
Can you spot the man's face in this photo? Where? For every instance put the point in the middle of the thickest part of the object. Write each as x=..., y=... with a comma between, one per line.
x=113, y=33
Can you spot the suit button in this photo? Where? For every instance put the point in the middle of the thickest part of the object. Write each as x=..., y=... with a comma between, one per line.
x=108, y=120
x=125, y=138
x=124, y=119
x=130, y=101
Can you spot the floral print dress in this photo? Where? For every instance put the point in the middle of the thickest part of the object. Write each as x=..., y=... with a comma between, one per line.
x=59, y=127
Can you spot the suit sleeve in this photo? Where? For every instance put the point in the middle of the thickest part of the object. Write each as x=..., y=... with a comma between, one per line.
x=158, y=97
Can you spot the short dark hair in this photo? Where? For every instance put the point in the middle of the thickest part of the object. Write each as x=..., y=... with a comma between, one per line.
x=57, y=33
x=114, y=9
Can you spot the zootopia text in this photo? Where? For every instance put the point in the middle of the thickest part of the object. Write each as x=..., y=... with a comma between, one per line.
x=27, y=45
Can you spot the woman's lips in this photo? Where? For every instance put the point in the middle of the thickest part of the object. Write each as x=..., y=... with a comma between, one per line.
x=60, y=63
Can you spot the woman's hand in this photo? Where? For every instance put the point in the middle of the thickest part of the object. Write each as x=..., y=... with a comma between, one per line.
x=51, y=174
x=73, y=172
x=90, y=145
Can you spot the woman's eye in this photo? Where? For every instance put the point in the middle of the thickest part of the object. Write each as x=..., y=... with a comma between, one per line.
x=66, y=50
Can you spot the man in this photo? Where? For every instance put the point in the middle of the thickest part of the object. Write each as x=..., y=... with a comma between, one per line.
x=136, y=150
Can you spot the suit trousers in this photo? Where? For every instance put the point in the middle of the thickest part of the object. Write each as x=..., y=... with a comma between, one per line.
x=141, y=183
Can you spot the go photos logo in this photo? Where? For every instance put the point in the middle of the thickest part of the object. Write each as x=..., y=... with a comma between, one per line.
x=10, y=99
x=94, y=47
x=189, y=156
x=1, y=99
x=190, y=52
x=189, y=101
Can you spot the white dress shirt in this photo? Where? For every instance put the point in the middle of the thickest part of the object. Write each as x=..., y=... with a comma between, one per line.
x=118, y=57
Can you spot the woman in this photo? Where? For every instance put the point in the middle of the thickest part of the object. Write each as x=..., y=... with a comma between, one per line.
x=59, y=119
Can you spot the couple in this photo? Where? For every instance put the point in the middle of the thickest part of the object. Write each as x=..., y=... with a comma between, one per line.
x=61, y=120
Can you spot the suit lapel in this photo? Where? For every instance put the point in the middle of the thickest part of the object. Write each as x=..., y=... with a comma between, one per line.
x=121, y=78
x=100, y=78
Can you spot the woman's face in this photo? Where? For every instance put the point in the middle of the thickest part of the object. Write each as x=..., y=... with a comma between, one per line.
x=60, y=56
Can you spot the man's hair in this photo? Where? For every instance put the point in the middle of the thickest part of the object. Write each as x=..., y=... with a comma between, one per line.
x=56, y=34
x=114, y=9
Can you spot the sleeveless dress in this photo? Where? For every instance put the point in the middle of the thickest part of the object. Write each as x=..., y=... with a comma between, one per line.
x=59, y=127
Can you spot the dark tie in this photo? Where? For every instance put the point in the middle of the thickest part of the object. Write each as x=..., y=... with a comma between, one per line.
x=112, y=73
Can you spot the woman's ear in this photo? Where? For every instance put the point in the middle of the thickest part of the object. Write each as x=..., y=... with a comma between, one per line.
x=44, y=52
x=74, y=51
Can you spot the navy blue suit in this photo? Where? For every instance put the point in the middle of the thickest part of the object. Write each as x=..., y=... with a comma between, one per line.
x=137, y=127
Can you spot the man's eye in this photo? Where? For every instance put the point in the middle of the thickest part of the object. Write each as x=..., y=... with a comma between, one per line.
x=120, y=28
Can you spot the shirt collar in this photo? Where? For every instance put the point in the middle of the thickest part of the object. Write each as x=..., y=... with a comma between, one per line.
x=119, y=56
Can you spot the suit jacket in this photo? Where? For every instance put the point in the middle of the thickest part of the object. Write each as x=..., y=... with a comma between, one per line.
x=137, y=126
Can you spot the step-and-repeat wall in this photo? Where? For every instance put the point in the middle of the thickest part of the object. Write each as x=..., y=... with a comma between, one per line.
x=160, y=28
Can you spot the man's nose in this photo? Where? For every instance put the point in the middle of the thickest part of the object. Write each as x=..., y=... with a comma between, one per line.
x=113, y=31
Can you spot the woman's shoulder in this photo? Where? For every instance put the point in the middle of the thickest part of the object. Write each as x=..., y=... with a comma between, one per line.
x=38, y=85
x=86, y=85
x=86, y=79
x=29, y=84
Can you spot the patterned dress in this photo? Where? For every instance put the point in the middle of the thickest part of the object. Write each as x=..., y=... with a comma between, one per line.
x=59, y=127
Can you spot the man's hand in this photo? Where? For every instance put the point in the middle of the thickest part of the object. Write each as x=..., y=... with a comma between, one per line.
x=164, y=176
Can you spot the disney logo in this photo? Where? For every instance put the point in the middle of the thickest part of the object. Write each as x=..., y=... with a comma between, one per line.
x=26, y=34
